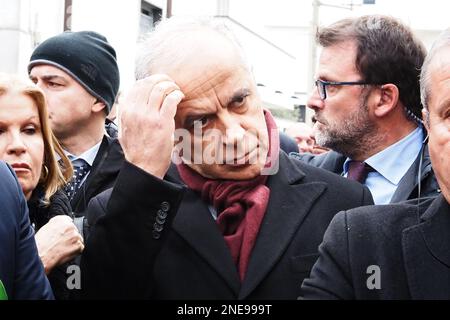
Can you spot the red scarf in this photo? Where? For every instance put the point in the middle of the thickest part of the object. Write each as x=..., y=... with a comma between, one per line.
x=240, y=204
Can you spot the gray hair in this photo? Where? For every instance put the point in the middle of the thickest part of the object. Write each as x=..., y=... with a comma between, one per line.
x=160, y=45
x=441, y=42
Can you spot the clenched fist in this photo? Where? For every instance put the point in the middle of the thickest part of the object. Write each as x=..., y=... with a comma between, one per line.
x=146, y=123
x=58, y=241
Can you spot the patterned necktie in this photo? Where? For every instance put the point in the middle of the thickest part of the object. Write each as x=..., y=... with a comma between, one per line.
x=79, y=172
x=358, y=171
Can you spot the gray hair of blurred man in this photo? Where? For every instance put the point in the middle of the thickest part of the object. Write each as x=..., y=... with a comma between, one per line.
x=429, y=65
x=160, y=45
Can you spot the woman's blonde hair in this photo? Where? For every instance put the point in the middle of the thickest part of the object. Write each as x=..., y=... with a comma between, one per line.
x=53, y=175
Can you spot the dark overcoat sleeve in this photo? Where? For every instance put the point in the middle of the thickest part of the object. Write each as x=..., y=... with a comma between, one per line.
x=128, y=226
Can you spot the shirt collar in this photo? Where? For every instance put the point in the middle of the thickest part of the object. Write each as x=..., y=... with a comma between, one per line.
x=88, y=155
x=393, y=162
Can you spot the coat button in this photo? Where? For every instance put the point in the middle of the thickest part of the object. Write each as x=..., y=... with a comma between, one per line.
x=156, y=235
x=162, y=214
x=160, y=220
x=165, y=206
x=157, y=227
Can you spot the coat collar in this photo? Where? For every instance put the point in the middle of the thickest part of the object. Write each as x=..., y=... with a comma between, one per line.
x=410, y=180
x=290, y=202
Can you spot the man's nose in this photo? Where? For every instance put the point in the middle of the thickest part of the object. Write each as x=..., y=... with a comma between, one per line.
x=314, y=101
x=234, y=133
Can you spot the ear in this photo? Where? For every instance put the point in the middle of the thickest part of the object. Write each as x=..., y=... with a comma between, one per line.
x=98, y=106
x=426, y=118
x=387, y=99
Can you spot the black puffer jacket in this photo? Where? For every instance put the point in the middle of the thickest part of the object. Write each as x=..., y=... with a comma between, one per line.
x=40, y=214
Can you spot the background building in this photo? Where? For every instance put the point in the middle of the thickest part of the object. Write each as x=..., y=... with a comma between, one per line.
x=277, y=35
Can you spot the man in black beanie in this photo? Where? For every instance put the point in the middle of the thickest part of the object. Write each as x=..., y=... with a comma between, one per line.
x=79, y=75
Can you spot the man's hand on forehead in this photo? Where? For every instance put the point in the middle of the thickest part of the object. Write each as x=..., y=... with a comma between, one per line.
x=146, y=123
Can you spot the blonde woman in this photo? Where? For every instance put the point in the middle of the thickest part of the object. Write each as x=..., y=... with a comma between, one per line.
x=29, y=147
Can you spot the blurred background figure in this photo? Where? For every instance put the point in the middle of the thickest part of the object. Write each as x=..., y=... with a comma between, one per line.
x=29, y=147
x=303, y=136
x=287, y=144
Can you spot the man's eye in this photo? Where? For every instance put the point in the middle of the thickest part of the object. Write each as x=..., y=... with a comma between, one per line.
x=331, y=88
x=447, y=115
x=54, y=85
x=203, y=121
x=239, y=101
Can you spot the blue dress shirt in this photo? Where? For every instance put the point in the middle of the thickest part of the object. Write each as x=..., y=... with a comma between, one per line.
x=390, y=165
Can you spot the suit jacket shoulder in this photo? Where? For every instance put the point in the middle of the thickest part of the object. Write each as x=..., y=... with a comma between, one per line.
x=330, y=161
x=21, y=272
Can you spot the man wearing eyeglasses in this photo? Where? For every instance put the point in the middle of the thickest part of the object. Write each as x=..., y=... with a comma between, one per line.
x=367, y=105
x=397, y=251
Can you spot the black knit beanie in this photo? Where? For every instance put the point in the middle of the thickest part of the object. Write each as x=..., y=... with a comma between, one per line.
x=87, y=57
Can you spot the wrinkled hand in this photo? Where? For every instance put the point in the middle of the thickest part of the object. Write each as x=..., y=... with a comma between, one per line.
x=147, y=125
x=58, y=241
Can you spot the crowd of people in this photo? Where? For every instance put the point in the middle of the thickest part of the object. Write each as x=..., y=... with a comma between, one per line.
x=196, y=194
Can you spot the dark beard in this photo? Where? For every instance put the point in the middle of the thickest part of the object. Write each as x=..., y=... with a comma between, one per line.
x=355, y=136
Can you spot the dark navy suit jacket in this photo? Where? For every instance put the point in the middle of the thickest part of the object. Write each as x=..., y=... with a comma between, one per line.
x=21, y=270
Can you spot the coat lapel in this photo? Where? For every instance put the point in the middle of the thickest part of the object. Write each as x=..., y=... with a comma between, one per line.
x=196, y=225
x=107, y=163
x=410, y=181
x=289, y=203
x=426, y=249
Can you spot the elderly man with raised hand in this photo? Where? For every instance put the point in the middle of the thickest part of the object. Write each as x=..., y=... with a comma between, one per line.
x=232, y=217
x=397, y=251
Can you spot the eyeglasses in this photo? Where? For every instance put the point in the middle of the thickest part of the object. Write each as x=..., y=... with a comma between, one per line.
x=322, y=86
